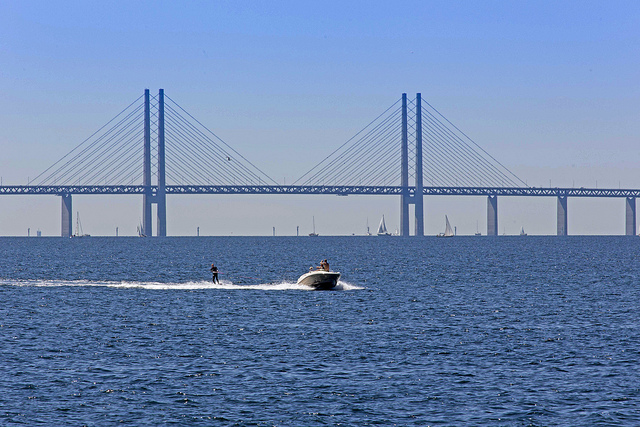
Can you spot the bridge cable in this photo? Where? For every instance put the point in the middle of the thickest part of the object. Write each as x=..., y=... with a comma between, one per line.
x=220, y=139
x=349, y=140
x=474, y=143
x=88, y=138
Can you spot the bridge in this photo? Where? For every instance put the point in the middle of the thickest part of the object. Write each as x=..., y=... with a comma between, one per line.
x=378, y=160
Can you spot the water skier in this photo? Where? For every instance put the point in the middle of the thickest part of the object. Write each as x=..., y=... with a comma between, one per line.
x=214, y=271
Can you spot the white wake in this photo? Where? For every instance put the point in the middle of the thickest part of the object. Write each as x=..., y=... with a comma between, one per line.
x=224, y=284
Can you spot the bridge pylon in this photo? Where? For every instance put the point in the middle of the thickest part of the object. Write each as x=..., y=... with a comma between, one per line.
x=406, y=197
x=419, y=194
x=148, y=198
x=146, y=168
x=161, y=198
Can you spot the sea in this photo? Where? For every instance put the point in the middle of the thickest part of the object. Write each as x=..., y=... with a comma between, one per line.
x=463, y=331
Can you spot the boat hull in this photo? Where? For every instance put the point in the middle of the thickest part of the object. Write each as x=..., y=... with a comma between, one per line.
x=320, y=280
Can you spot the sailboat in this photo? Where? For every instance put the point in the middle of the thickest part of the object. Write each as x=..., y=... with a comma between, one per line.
x=368, y=231
x=314, y=234
x=382, y=228
x=79, y=232
x=522, y=232
x=477, y=230
x=448, y=231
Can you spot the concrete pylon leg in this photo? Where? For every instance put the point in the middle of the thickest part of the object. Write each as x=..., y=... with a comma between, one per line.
x=419, y=196
x=404, y=172
x=492, y=216
x=67, y=215
x=146, y=168
x=562, y=216
x=630, y=217
x=162, y=194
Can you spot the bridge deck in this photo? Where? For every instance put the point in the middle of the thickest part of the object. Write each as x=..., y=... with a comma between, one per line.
x=340, y=190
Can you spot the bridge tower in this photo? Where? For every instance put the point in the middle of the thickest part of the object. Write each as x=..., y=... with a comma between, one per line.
x=146, y=168
x=406, y=198
x=161, y=197
x=148, y=198
x=419, y=194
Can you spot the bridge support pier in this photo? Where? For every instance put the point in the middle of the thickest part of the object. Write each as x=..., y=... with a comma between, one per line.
x=492, y=215
x=562, y=216
x=67, y=215
x=630, y=223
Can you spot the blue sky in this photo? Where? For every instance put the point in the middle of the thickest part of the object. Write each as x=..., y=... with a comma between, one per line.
x=548, y=88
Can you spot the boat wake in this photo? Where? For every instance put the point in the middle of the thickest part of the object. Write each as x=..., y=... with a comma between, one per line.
x=224, y=284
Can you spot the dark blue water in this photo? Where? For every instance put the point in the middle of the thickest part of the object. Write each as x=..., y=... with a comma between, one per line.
x=465, y=331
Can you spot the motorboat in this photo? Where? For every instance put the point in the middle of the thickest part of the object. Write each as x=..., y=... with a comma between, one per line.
x=320, y=279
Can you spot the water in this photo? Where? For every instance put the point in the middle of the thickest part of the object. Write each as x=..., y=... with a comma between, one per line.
x=464, y=331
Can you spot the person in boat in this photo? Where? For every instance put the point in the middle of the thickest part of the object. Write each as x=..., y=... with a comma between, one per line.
x=324, y=265
x=214, y=271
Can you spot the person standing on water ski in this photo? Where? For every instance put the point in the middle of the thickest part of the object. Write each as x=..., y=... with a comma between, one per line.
x=214, y=271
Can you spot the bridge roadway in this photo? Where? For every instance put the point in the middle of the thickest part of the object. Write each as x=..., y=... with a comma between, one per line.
x=154, y=194
x=340, y=190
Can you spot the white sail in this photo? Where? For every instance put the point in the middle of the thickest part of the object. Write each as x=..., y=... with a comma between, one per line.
x=448, y=231
x=79, y=232
x=314, y=234
x=382, y=228
x=78, y=226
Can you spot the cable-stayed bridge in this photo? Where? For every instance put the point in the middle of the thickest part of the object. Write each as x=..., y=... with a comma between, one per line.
x=154, y=147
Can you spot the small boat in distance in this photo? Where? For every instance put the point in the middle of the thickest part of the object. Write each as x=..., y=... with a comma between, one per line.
x=477, y=230
x=448, y=231
x=382, y=228
x=320, y=279
x=79, y=232
x=368, y=232
x=314, y=234
x=522, y=233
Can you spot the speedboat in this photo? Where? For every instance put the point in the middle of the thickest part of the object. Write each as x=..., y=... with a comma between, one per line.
x=320, y=279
